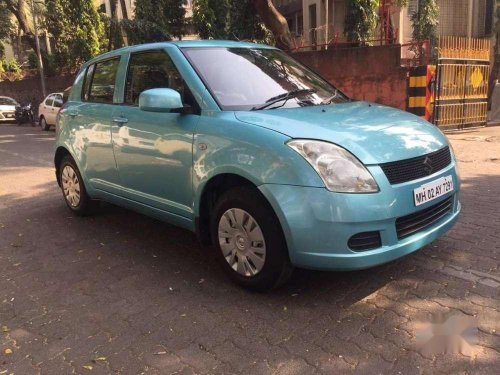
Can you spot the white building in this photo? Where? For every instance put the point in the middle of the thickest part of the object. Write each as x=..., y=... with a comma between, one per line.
x=324, y=20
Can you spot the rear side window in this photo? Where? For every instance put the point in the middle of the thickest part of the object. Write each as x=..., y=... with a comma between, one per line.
x=102, y=84
x=49, y=101
x=58, y=101
x=151, y=70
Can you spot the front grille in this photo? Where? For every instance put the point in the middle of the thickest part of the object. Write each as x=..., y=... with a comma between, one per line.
x=6, y=114
x=413, y=223
x=401, y=171
x=365, y=241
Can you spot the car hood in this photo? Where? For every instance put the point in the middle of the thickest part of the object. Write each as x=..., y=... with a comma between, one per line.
x=373, y=133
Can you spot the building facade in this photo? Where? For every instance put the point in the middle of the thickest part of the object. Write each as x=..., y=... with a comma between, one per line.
x=318, y=22
x=463, y=18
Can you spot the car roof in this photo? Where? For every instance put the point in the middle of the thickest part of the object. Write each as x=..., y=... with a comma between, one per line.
x=180, y=44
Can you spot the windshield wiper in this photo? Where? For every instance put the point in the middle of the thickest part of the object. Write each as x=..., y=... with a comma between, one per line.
x=331, y=98
x=286, y=96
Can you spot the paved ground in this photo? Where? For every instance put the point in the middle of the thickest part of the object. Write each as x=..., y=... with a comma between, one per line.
x=121, y=293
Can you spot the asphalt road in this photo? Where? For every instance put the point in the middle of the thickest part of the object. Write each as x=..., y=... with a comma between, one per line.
x=121, y=293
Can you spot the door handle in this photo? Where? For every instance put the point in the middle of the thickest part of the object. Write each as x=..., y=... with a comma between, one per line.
x=73, y=113
x=120, y=121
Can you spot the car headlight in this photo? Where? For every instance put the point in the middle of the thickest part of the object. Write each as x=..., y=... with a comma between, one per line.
x=338, y=168
x=454, y=157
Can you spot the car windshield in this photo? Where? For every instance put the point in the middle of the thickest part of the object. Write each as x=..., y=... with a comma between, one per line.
x=244, y=79
x=7, y=101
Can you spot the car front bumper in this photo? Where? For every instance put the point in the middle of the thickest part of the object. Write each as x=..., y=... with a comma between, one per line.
x=318, y=223
x=7, y=116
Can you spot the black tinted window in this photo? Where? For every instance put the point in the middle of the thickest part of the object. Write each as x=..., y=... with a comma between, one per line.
x=151, y=70
x=102, y=87
x=49, y=101
x=58, y=101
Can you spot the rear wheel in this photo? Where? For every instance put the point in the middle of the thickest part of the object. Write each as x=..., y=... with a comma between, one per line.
x=43, y=124
x=249, y=240
x=73, y=188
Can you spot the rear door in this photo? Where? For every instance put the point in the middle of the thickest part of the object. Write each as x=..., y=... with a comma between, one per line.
x=46, y=106
x=92, y=117
x=54, y=109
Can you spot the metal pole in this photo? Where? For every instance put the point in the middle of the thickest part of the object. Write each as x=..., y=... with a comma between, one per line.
x=470, y=18
x=327, y=18
x=38, y=53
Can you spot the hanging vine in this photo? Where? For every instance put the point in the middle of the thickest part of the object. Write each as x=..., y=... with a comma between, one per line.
x=495, y=69
x=424, y=21
x=360, y=20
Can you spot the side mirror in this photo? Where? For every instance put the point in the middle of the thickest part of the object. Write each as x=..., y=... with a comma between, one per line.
x=160, y=100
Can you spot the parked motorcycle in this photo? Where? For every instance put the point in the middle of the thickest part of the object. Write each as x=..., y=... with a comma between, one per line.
x=24, y=114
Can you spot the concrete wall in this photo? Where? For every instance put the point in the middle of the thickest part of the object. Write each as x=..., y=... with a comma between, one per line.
x=29, y=89
x=366, y=73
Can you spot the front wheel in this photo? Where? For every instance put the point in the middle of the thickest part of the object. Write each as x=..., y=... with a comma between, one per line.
x=73, y=188
x=249, y=240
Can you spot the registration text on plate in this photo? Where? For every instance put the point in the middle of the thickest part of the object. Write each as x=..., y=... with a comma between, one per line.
x=433, y=190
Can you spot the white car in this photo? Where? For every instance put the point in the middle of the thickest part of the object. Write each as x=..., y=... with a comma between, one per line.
x=48, y=109
x=7, y=109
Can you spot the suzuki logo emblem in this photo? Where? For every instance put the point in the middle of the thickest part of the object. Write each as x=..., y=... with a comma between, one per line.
x=428, y=165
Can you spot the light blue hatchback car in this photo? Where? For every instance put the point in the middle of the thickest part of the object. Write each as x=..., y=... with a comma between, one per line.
x=258, y=155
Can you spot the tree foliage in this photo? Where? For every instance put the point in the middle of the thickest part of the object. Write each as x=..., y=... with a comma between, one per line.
x=77, y=30
x=6, y=26
x=424, y=23
x=245, y=22
x=112, y=27
x=361, y=19
x=211, y=18
x=19, y=9
x=155, y=21
x=229, y=19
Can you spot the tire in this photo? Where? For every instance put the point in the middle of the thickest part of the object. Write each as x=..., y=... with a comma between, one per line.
x=269, y=266
x=73, y=189
x=43, y=124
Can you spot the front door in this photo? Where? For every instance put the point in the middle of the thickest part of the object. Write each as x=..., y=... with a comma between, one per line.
x=47, y=113
x=153, y=150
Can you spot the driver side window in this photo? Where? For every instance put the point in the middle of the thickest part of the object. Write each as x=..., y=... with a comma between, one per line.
x=151, y=70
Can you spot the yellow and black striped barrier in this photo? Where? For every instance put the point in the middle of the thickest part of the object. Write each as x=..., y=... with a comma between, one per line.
x=421, y=91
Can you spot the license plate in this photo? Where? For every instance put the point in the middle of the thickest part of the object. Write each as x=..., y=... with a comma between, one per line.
x=433, y=190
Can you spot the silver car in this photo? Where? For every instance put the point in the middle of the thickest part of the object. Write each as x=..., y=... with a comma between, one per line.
x=7, y=109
